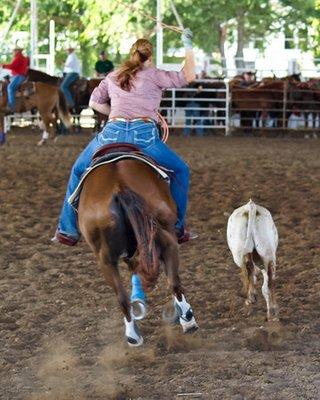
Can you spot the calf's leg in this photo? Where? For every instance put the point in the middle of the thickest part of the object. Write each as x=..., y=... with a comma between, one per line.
x=274, y=312
x=268, y=290
x=249, y=280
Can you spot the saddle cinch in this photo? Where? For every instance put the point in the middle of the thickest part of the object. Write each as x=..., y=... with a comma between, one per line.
x=115, y=152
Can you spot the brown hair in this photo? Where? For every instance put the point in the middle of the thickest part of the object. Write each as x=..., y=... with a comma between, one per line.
x=140, y=52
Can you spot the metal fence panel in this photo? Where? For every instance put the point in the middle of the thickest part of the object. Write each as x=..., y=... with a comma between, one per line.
x=200, y=108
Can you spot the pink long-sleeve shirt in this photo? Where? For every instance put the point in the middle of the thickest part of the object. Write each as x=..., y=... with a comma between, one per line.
x=143, y=100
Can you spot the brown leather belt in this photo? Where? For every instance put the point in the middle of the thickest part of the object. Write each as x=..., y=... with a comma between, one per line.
x=143, y=119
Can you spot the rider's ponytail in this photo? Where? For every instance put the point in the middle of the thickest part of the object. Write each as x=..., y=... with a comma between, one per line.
x=140, y=52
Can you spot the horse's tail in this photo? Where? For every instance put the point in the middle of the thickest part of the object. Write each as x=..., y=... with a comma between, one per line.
x=144, y=228
x=63, y=110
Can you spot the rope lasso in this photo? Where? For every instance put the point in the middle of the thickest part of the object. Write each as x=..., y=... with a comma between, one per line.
x=151, y=17
x=165, y=128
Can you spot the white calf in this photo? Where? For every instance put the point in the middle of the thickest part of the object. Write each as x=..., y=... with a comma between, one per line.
x=252, y=237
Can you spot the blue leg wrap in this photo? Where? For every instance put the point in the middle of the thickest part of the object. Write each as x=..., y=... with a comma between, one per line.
x=2, y=138
x=137, y=292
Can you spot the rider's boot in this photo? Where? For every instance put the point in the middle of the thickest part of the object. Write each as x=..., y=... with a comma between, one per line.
x=64, y=239
x=184, y=235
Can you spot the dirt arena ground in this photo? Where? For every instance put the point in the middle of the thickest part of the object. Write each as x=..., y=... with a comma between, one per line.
x=61, y=332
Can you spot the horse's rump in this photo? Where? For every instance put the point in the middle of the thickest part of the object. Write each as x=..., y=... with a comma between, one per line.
x=63, y=111
x=123, y=206
x=47, y=97
x=113, y=154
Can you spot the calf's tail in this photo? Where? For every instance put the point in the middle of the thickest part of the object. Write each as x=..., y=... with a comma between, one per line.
x=251, y=209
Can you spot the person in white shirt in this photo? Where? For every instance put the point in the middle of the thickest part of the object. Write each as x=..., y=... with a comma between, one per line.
x=296, y=119
x=71, y=73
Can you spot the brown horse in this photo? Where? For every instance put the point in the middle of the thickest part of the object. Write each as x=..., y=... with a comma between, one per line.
x=81, y=90
x=125, y=209
x=263, y=98
x=46, y=99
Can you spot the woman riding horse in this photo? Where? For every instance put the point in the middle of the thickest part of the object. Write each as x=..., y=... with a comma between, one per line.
x=124, y=208
x=135, y=91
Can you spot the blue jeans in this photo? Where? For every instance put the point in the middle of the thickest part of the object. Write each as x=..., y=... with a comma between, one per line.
x=13, y=86
x=189, y=119
x=145, y=135
x=67, y=81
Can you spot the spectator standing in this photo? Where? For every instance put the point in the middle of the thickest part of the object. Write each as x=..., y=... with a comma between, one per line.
x=103, y=66
x=71, y=72
x=19, y=69
x=248, y=79
x=193, y=114
x=296, y=119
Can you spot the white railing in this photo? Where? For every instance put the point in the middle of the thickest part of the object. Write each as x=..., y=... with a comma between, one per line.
x=208, y=110
x=217, y=110
x=28, y=119
x=229, y=73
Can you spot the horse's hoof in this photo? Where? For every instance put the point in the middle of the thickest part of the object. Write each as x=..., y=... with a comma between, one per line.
x=273, y=318
x=134, y=342
x=251, y=300
x=189, y=326
x=171, y=316
x=188, y=322
x=133, y=336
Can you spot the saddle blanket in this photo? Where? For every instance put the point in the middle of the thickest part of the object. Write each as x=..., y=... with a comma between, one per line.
x=112, y=158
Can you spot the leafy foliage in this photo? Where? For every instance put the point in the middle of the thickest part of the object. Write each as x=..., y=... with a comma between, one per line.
x=99, y=24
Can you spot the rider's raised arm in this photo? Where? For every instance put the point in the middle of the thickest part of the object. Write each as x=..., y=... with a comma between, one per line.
x=100, y=97
x=169, y=79
x=189, y=68
x=172, y=79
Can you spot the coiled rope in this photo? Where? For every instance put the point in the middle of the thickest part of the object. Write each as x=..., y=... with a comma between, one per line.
x=165, y=128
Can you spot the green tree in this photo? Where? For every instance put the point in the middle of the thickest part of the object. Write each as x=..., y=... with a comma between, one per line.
x=297, y=18
x=213, y=22
x=98, y=24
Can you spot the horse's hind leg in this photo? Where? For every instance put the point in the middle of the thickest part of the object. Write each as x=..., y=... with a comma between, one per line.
x=109, y=266
x=169, y=253
x=138, y=298
x=48, y=123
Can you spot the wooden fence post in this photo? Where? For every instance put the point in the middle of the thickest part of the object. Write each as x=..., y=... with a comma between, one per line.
x=284, y=105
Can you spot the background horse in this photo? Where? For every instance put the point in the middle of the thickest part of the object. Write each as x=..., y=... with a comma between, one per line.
x=81, y=90
x=46, y=99
x=119, y=217
x=257, y=101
